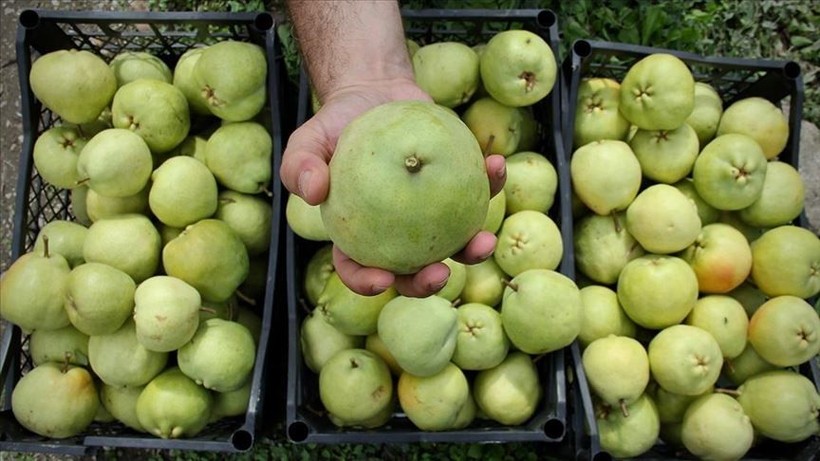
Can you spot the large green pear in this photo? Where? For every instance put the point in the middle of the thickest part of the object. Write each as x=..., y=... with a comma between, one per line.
x=239, y=155
x=439, y=191
x=684, y=359
x=166, y=313
x=231, y=76
x=421, y=333
x=541, y=311
x=447, y=71
x=32, y=291
x=249, y=216
x=715, y=427
x=319, y=341
x=509, y=393
x=173, y=406
x=74, y=84
x=55, y=155
x=155, y=110
x=55, y=401
x=528, y=239
x=220, y=356
x=658, y=92
x=350, y=312
x=120, y=360
x=65, y=238
x=782, y=404
x=209, y=256
x=66, y=344
x=116, y=162
x=606, y=175
x=356, y=388
x=183, y=191
x=435, y=402
x=129, y=242
x=99, y=298
x=184, y=79
x=132, y=65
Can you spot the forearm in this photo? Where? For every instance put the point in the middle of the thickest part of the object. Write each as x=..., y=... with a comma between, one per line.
x=347, y=42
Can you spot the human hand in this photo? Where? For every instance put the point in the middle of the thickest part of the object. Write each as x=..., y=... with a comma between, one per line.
x=305, y=172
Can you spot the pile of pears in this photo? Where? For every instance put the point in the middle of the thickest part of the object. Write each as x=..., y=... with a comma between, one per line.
x=467, y=355
x=694, y=277
x=145, y=308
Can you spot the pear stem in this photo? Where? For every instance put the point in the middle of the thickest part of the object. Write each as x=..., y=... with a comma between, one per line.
x=304, y=305
x=624, y=409
x=488, y=149
x=512, y=285
x=616, y=221
x=732, y=392
x=412, y=163
x=81, y=182
x=245, y=298
x=456, y=302
x=209, y=310
x=66, y=362
x=729, y=365
x=45, y=246
x=264, y=189
x=538, y=357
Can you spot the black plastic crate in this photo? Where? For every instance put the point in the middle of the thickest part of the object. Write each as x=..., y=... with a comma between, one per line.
x=305, y=420
x=780, y=82
x=167, y=35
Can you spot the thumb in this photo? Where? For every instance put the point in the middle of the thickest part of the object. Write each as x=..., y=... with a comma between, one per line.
x=304, y=169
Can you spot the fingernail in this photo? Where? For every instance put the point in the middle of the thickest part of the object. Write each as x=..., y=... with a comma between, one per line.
x=304, y=183
x=438, y=286
x=503, y=171
x=379, y=289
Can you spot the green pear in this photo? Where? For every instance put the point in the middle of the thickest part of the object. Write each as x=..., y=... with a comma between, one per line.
x=447, y=71
x=782, y=199
x=120, y=360
x=166, y=313
x=746, y=365
x=455, y=282
x=421, y=333
x=603, y=246
x=155, y=110
x=239, y=156
x=783, y=405
x=785, y=331
x=78, y=207
x=666, y=156
x=65, y=238
x=596, y=112
x=74, y=84
x=673, y=292
x=317, y=272
x=101, y=207
x=707, y=213
x=603, y=315
x=231, y=77
x=183, y=191
x=32, y=291
x=530, y=130
x=496, y=127
x=541, y=311
x=191, y=146
x=231, y=403
x=168, y=233
x=606, y=175
x=760, y=119
x=66, y=344
x=531, y=182
x=510, y=392
x=663, y=220
x=684, y=359
x=518, y=67
x=657, y=92
x=55, y=155
x=671, y=406
x=706, y=114
x=304, y=219
x=255, y=285
x=55, y=401
x=435, y=402
x=319, y=341
x=715, y=427
x=249, y=216
x=173, y=406
x=730, y=171
x=528, y=240
x=484, y=283
x=103, y=415
x=129, y=242
x=374, y=344
x=481, y=341
x=251, y=320
x=350, y=312
x=99, y=298
x=356, y=389
x=185, y=80
x=629, y=436
x=617, y=369
x=116, y=162
x=121, y=402
x=209, y=256
x=220, y=356
x=132, y=65
x=723, y=317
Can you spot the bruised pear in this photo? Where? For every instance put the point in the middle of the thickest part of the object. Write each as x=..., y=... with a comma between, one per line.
x=166, y=313
x=74, y=84
x=434, y=169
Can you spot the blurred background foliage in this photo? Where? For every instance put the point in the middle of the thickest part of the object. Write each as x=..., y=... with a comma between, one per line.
x=765, y=29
